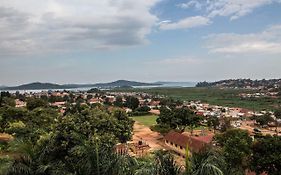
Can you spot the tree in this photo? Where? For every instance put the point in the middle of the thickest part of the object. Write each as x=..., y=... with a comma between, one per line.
x=8, y=101
x=184, y=117
x=107, y=101
x=33, y=103
x=143, y=109
x=236, y=147
x=124, y=126
x=9, y=115
x=194, y=122
x=267, y=155
x=264, y=119
x=166, y=118
x=178, y=118
x=89, y=96
x=226, y=124
x=207, y=162
x=277, y=114
x=118, y=101
x=213, y=121
x=165, y=164
x=132, y=102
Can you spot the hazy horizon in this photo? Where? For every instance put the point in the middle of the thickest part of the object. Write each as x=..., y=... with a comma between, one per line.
x=82, y=41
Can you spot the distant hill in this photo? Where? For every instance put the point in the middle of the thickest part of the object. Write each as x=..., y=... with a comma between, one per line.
x=124, y=83
x=243, y=83
x=34, y=86
x=2, y=87
x=38, y=85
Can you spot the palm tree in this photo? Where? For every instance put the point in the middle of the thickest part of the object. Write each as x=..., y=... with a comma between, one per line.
x=24, y=159
x=94, y=158
x=206, y=162
x=165, y=164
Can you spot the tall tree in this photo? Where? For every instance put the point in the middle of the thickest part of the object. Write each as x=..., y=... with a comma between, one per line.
x=118, y=101
x=277, y=114
x=267, y=155
x=207, y=162
x=236, y=147
x=214, y=122
x=166, y=118
x=264, y=119
x=132, y=102
x=33, y=103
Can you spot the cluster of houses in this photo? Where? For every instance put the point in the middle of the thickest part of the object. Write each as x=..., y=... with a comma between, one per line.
x=240, y=117
x=259, y=95
x=88, y=98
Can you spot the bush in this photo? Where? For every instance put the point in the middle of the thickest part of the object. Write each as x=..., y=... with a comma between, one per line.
x=161, y=129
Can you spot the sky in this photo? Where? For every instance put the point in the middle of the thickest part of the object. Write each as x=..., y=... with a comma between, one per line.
x=89, y=41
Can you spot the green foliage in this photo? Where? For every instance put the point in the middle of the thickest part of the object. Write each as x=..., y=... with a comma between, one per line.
x=94, y=90
x=17, y=129
x=213, y=121
x=170, y=102
x=53, y=99
x=118, y=101
x=143, y=109
x=214, y=96
x=226, y=124
x=207, y=162
x=33, y=103
x=132, y=102
x=124, y=126
x=264, y=119
x=236, y=146
x=166, y=117
x=178, y=118
x=166, y=164
x=277, y=113
x=8, y=101
x=163, y=129
x=11, y=114
x=267, y=155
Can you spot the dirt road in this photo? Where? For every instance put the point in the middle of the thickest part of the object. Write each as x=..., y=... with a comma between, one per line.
x=153, y=139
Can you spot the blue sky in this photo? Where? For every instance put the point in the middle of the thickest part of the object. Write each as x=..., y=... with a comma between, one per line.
x=87, y=41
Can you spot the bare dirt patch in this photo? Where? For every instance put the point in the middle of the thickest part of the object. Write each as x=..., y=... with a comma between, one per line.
x=143, y=133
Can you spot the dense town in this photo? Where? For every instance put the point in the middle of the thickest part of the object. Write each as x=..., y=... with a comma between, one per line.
x=240, y=118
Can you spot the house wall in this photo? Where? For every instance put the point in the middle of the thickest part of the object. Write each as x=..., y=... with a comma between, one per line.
x=179, y=149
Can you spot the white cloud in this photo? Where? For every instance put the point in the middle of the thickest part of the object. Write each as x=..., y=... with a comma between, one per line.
x=267, y=42
x=186, y=23
x=193, y=3
x=228, y=8
x=50, y=25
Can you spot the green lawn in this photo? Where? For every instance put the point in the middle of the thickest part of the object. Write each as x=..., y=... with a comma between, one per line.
x=147, y=120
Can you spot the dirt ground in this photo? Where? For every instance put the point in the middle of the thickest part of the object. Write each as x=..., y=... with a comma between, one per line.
x=143, y=133
x=5, y=137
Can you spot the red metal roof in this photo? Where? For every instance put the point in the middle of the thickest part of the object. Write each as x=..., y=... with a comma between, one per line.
x=195, y=143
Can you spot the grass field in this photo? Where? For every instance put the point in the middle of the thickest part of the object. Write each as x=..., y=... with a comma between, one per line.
x=215, y=96
x=147, y=120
